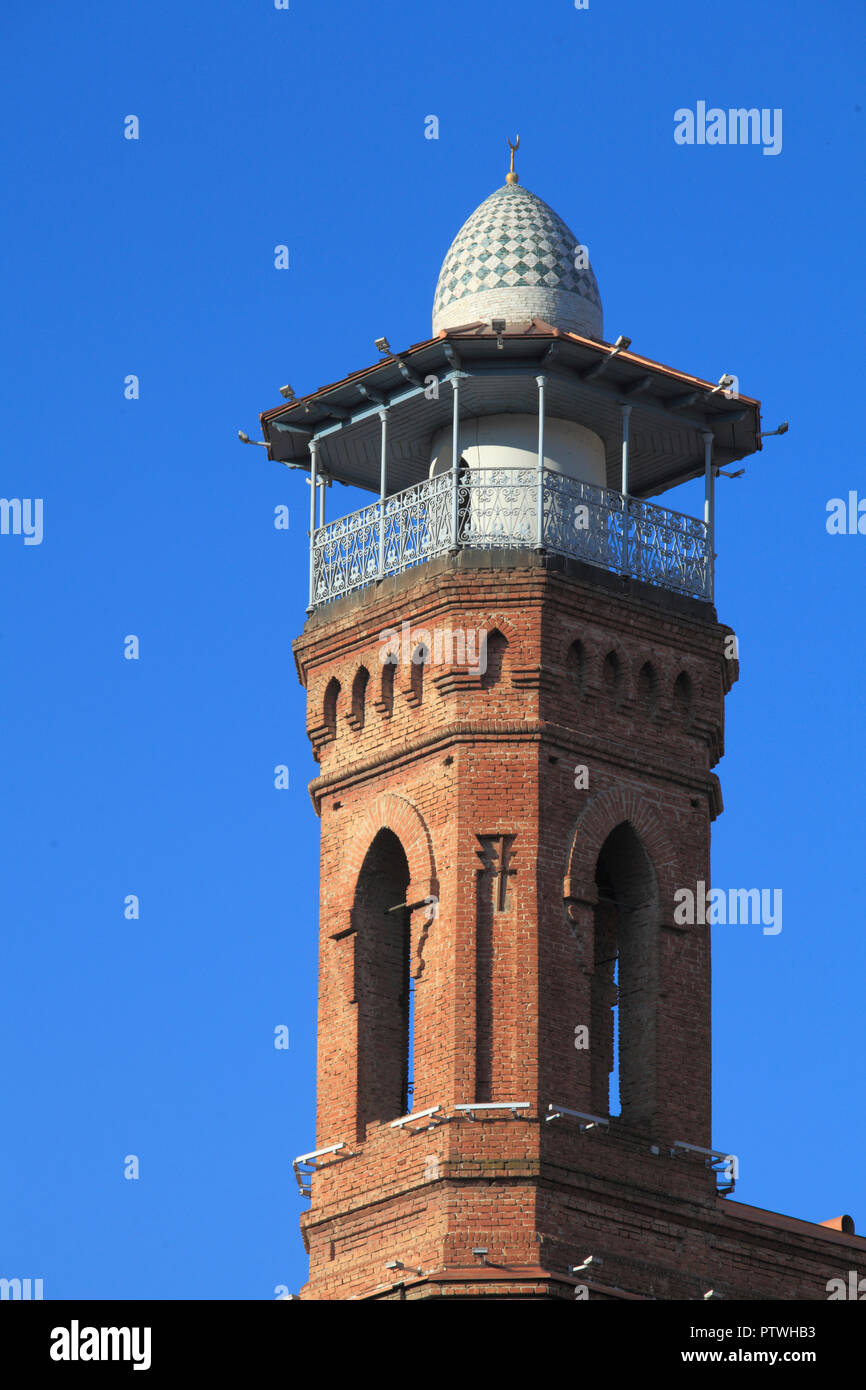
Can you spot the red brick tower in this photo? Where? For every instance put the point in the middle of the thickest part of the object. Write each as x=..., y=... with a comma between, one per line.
x=515, y=680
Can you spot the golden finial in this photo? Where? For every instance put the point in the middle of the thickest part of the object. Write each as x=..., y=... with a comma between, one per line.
x=511, y=177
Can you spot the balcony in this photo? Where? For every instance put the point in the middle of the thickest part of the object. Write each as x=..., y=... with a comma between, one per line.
x=511, y=508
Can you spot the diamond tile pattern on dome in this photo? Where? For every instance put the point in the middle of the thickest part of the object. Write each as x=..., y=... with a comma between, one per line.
x=513, y=239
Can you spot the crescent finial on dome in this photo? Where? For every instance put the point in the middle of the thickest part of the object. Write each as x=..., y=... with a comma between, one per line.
x=511, y=177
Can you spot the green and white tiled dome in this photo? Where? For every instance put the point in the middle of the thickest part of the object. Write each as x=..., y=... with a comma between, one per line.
x=515, y=259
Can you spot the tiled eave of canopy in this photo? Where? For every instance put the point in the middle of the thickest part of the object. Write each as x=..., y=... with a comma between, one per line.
x=587, y=382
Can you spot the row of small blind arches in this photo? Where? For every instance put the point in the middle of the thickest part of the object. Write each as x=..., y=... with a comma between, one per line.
x=612, y=679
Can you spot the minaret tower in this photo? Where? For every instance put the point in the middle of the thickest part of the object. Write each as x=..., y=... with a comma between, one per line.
x=515, y=680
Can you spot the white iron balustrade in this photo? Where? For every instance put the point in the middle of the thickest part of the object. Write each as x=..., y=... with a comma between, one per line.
x=498, y=508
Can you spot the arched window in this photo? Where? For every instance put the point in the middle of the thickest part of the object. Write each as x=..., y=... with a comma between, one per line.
x=576, y=667
x=420, y=657
x=624, y=986
x=388, y=672
x=329, y=710
x=383, y=986
x=647, y=689
x=611, y=673
x=494, y=649
x=359, y=697
x=683, y=695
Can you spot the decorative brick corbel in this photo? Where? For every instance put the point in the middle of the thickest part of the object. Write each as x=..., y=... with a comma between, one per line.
x=418, y=895
x=343, y=934
x=320, y=735
x=533, y=678
x=455, y=679
x=579, y=906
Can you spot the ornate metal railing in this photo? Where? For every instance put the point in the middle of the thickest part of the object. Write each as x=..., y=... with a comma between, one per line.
x=499, y=507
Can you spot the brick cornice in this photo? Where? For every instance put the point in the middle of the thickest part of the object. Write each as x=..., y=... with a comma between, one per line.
x=434, y=589
x=520, y=731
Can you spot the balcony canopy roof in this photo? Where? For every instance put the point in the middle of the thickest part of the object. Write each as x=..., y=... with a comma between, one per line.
x=587, y=382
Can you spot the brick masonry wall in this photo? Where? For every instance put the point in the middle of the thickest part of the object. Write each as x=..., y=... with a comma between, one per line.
x=508, y=966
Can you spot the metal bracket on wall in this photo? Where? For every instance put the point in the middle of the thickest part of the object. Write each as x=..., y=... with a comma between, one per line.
x=725, y=1166
x=587, y=1122
x=305, y=1165
x=514, y=1106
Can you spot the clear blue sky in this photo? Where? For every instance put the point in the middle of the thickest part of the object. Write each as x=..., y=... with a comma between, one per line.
x=155, y=777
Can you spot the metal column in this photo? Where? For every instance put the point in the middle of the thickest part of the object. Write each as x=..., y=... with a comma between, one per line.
x=710, y=512
x=632, y=565
x=539, y=507
x=455, y=459
x=383, y=487
x=626, y=412
x=314, y=461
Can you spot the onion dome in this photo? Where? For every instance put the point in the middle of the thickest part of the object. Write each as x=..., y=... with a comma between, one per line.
x=515, y=259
